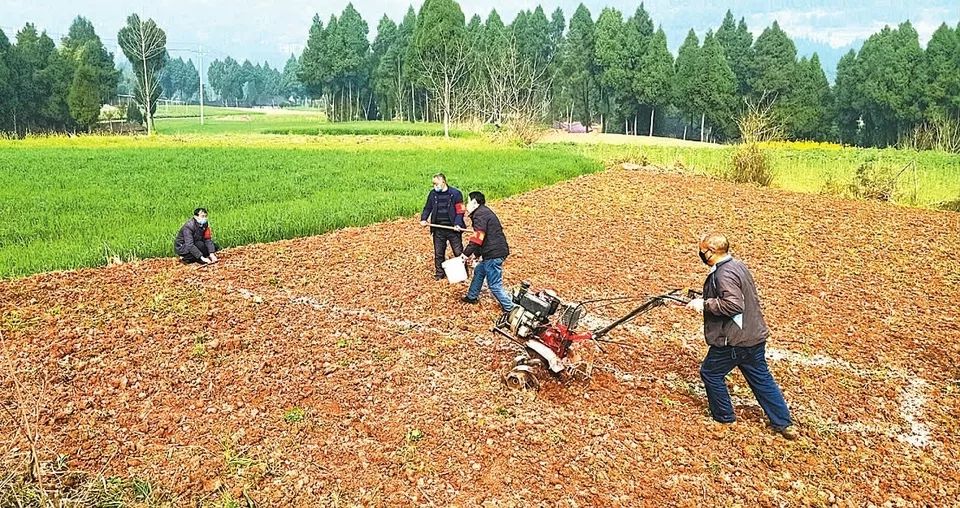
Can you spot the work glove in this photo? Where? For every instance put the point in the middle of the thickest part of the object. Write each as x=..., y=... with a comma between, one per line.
x=458, y=229
x=205, y=260
x=213, y=258
x=696, y=304
x=424, y=223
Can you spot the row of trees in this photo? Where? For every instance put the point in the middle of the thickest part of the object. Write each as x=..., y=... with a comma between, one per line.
x=253, y=85
x=892, y=85
x=45, y=88
x=180, y=80
x=436, y=65
x=617, y=71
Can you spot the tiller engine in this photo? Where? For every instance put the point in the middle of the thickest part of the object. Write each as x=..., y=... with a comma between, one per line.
x=546, y=329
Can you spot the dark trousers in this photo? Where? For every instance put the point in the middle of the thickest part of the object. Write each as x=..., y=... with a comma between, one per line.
x=753, y=364
x=202, y=247
x=441, y=237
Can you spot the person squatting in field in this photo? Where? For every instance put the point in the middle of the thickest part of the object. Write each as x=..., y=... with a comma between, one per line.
x=736, y=332
x=489, y=244
x=443, y=212
x=194, y=242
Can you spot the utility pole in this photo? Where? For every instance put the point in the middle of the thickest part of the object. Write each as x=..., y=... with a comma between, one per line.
x=201, y=85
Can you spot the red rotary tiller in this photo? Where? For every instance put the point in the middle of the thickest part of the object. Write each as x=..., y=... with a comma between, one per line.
x=546, y=341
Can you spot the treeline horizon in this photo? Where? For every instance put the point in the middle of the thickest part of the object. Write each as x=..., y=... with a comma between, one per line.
x=613, y=70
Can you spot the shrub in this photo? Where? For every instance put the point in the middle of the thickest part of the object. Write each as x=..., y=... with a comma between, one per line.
x=938, y=133
x=750, y=165
x=874, y=181
x=134, y=115
x=951, y=205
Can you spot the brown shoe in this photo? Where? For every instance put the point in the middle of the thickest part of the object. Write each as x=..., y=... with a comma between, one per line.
x=789, y=433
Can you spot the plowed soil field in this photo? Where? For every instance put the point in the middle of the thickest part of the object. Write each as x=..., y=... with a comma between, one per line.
x=191, y=377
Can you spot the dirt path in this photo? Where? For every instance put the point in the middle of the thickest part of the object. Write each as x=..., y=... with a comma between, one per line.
x=558, y=136
x=188, y=377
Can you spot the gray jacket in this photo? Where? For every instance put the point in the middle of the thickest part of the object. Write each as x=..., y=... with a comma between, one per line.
x=190, y=236
x=731, y=307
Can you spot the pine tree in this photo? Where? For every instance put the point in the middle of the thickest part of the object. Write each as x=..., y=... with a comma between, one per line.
x=353, y=62
x=7, y=85
x=846, y=101
x=638, y=32
x=810, y=101
x=84, y=96
x=653, y=84
x=82, y=42
x=942, y=62
x=774, y=73
x=687, y=78
x=613, y=57
x=440, y=44
x=384, y=82
x=737, y=43
x=716, y=97
x=557, y=27
x=314, y=71
x=579, y=64
x=892, y=83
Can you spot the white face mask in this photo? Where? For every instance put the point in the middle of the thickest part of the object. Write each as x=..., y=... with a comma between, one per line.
x=201, y=220
x=438, y=188
x=472, y=206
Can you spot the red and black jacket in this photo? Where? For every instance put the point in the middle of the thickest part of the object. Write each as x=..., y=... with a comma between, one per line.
x=488, y=240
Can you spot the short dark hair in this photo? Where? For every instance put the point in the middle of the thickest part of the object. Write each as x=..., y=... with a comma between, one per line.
x=198, y=210
x=478, y=197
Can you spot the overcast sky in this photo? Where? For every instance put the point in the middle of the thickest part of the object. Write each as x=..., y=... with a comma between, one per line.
x=263, y=30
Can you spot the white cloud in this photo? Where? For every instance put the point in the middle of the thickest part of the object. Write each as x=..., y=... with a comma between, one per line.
x=839, y=28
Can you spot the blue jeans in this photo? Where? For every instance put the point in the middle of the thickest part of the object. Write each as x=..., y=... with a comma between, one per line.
x=492, y=270
x=752, y=363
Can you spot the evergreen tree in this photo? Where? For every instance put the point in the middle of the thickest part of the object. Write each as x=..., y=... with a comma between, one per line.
x=83, y=43
x=613, y=58
x=84, y=96
x=737, y=43
x=7, y=85
x=652, y=85
x=290, y=86
x=384, y=69
x=942, y=62
x=440, y=45
x=716, y=97
x=846, y=102
x=638, y=34
x=353, y=62
x=687, y=79
x=774, y=72
x=892, y=82
x=313, y=72
x=579, y=64
x=810, y=101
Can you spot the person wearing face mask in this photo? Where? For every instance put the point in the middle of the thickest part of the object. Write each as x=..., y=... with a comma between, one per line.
x=736, y=334
x=194, y=242
x=444, y=213
x=490, y=245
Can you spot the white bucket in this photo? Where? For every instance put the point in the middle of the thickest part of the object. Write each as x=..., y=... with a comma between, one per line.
x=455, y=270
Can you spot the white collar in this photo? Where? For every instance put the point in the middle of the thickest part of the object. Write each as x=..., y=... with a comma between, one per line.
x=725, y=258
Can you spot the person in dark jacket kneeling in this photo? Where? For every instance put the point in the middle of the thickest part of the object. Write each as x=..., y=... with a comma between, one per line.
x=736, y=332
x=490, y=245
x=194, y=242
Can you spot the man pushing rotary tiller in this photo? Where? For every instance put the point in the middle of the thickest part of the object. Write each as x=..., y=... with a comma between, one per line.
x=546, y=344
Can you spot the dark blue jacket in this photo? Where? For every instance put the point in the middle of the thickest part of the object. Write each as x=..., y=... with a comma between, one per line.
x=456, y=209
